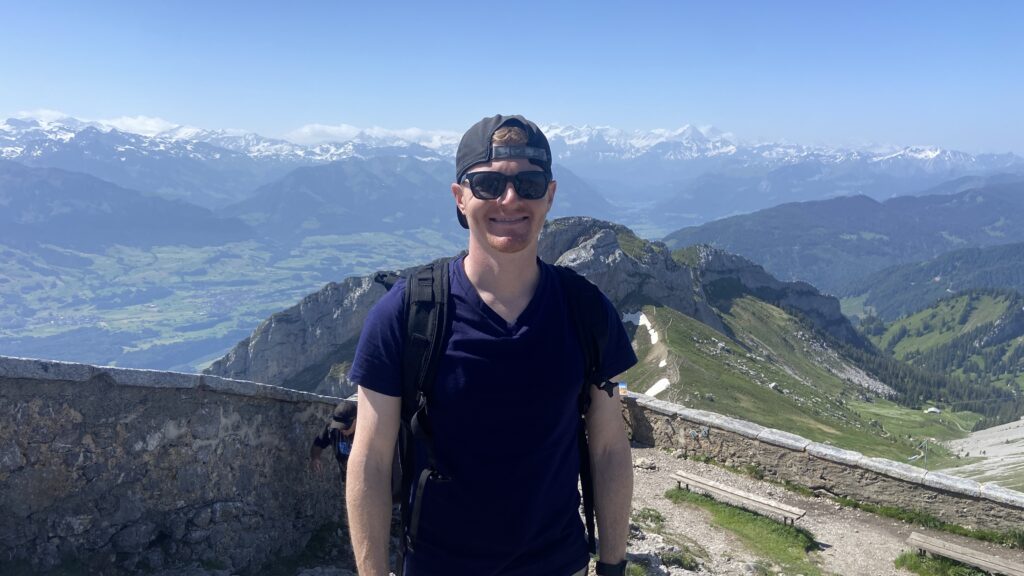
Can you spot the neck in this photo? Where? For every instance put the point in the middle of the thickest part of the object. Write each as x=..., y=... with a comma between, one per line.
x=505, y=282
x=503, y=275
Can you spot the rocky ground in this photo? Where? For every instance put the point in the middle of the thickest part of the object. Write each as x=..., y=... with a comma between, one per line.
x=1003, y=450
x=852, y=543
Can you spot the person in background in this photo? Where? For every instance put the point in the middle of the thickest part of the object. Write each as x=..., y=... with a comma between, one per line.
x=338, y=434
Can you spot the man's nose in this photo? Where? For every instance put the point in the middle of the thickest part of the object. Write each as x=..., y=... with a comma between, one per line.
x=509, y=195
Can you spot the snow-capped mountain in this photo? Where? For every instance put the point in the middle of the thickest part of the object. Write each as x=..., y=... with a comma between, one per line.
x=34, y=137
x=214, y=168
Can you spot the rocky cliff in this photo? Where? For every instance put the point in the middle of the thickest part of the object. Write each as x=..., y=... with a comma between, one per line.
x=724, y=275
x=309, y=346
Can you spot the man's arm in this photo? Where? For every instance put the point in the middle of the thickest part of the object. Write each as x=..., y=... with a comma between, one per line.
x=368, y=485
x=612, y=470
x=319, y=443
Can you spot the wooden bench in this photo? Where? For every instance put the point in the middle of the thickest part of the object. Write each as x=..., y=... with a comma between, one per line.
x=739, y=498
x=965, y=555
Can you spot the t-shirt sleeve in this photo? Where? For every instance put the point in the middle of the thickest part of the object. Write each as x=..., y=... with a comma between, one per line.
x=377, y=364
x=618, y=354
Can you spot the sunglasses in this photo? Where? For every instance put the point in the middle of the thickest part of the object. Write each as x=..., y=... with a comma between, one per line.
x=491, y=185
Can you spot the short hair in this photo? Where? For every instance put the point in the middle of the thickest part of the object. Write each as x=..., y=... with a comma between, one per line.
x=509, y=136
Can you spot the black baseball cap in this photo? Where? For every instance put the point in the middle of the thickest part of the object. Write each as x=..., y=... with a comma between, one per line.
x=344, y=414
x=475, y=148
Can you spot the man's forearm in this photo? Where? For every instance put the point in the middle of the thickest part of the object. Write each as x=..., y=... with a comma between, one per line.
x=613, y=496
x=368, y=495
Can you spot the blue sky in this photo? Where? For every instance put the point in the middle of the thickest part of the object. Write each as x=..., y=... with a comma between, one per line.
x=840, y=73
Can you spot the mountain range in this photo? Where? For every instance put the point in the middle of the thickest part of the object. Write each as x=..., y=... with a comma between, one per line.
x=834, y=244
x=666, y=179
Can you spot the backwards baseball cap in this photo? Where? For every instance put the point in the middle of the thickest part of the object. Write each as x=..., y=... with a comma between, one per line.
x=343, y=416
x=475, y=148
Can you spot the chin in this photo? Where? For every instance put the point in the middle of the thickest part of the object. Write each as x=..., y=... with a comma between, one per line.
x=507, y=245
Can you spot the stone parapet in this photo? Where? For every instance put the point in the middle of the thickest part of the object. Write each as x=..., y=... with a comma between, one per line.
x=782, y=456
x=121, y=471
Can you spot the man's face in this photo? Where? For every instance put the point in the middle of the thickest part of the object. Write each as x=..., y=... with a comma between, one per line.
x=509, y=223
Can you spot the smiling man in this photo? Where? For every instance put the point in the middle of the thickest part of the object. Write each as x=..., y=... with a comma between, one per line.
x=497, y=480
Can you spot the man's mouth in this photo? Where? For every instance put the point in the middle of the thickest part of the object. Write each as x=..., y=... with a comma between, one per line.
x=508, y=219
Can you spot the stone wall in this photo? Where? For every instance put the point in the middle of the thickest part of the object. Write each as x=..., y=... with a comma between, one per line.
x=123, y=470
x=782, y=456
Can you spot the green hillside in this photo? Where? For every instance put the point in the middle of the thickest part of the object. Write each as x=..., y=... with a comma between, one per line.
x=977, y=338
x=907, y=288
x=779, y=374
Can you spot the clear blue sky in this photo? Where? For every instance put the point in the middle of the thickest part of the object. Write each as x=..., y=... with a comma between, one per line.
x=900, y=72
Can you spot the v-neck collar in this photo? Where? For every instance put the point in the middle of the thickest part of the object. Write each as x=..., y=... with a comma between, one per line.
x=467, y=288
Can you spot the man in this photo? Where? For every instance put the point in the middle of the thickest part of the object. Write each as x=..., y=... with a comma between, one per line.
x=338, y=434
x=503, y=408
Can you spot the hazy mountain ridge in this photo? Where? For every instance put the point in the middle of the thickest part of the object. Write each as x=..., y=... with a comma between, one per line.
x=75, y=210
x=907, y=288
x=833, y=243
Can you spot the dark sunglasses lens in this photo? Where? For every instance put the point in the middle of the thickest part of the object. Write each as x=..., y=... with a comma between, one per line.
x=486, y=185
x=531, y=185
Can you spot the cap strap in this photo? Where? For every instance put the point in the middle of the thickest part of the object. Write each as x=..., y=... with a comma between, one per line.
x=528, y=152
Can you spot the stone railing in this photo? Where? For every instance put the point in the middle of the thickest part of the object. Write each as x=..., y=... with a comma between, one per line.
x=121, y=470
x=134, y=470
x=782, y=456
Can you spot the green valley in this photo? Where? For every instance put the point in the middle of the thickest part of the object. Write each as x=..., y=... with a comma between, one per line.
x=176, y=306
x=977, y=338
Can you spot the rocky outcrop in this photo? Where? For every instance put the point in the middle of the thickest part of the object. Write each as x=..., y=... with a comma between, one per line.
x=305, y=346
x=308, y=346
x=632, y=272
x=724, y=276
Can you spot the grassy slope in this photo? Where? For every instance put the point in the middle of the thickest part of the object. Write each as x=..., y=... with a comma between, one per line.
x=733, y=378
x=940, y=323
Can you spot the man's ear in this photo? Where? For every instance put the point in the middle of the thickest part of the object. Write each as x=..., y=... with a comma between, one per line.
x=457, y=192
x=552, y=186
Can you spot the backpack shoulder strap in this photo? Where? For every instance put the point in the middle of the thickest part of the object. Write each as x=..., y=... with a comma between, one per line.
x=587, y=313
x=426, y=308
x=427, y=311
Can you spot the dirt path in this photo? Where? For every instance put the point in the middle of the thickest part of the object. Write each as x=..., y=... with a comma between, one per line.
x=854, y=543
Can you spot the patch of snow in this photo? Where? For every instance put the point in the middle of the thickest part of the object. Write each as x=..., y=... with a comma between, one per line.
x=650, y=329
x=659, y=387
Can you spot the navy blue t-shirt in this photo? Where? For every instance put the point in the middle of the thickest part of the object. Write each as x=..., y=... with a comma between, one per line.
x=504, y=420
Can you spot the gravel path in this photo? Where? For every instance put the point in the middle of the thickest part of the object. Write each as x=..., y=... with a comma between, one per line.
x=854, y=543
